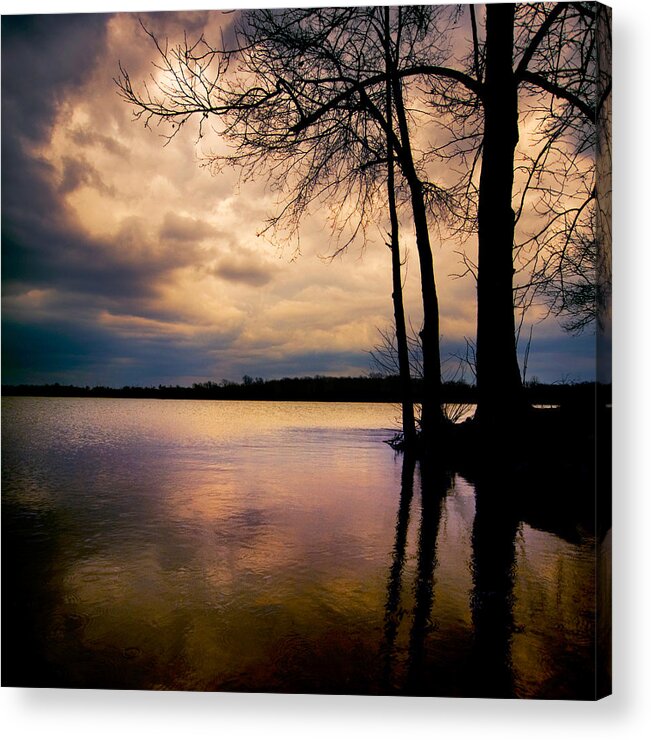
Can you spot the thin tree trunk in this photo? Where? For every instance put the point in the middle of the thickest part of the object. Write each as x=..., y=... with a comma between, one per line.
x=500, y=391
x=432, y=415
x=408, y=422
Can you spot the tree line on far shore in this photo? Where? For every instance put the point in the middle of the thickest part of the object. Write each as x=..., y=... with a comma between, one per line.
x=370, y=388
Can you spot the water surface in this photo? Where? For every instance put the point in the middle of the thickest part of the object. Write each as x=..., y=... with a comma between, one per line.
x=213, y=545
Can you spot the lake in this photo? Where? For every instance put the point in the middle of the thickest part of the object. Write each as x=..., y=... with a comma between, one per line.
x=277, y=547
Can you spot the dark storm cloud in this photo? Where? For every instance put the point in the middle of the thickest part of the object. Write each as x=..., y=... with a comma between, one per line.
x=43, y=57
x=555, y=358
x=78, y=172
x=563, y=358
x=51, y=351
x=41, y=253
x=86, y=353
x=44, y=60
x=193, y=22
x=84, y=137
x=248, y=270
x=183, y=228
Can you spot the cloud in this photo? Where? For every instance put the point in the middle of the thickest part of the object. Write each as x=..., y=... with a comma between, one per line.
x=86, y=352
x=248, y=270
x=77, y=173
x=44, y=57
x=124, y=261
x=184, y=228
x=84, y=137
x=114, y=245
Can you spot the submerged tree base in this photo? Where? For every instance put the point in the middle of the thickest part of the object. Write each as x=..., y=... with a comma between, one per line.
x=556, y=458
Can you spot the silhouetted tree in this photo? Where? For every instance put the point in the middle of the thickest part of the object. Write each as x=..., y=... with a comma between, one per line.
x=304, y=101
x=408, y=419
x=297, y=105
x=536, y=63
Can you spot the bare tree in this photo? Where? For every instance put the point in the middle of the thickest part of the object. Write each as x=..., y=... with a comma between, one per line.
x=533, y=63
x=303, y=99
x=296, y=75
x=408, y=420
x=384, y=354
x=569, y=251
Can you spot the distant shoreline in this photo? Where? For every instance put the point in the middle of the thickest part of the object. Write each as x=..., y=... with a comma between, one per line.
x=368, y=389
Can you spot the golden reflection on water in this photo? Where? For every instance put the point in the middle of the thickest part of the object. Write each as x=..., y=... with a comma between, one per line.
x=273, y=547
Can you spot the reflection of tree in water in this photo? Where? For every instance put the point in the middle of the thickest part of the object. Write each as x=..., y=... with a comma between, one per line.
x=493, y=558
x=393, y=613
x=434, y=486
x=493, y=563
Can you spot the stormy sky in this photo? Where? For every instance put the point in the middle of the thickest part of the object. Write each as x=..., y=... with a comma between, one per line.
x=126, y=262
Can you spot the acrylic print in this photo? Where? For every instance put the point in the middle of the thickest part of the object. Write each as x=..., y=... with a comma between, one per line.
x=306, y=328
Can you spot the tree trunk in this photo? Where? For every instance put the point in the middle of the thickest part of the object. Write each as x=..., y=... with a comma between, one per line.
x=406, y=392
x=408, y=422
x=431, y=413
x=500, y=391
